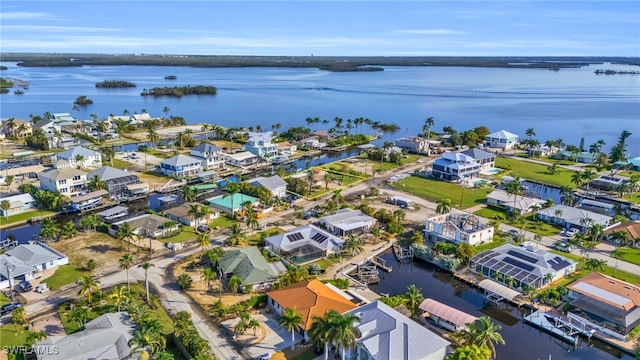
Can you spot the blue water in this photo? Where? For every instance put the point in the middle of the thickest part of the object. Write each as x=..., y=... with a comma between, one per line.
x=567, y=104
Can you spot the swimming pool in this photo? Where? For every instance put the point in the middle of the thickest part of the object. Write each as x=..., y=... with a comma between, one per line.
x=492, y=171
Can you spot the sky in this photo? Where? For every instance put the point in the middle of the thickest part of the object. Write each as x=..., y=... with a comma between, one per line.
x=327, y=28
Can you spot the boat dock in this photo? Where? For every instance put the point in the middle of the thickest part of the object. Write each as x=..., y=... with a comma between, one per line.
x=402, y=254
x=557, y=326
x=381, y=264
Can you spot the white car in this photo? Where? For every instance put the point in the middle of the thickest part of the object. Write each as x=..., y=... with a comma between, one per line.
x=572, y=232
x=42, y=288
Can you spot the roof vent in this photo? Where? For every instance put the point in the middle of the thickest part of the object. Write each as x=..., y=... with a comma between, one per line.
x=627, y=287
x=611, y=281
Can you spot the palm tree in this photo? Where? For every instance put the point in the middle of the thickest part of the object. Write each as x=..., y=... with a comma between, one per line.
x=126, y=261
x=208, y=275
x=566, y=195
x=153, y=137
x=96, y=184
x=577, y=178
x=234, y=283
x=291, y=320
x=231, y=190
x=146, y=266
x=595, y=264
x=486, y=333
x=618, y=255
x=19, y=317
x=89, y=286
x=50, y=228
x=69, y=230
x=36, y=336
x=165, y=110
x=79, y=160
x=530, y=133
x=109, y=153
x=444, y=206
x=5, y=205
x=126, y=232
x=120, y=296
x=196, y=213
x=343, y=331
x=188, y=193
x=515, y=188
x=327, y=178
x=353, y=244
x=385, y=147
x=203, y=241
x=553, y=168
x=414, y=298
x=587, y=176
x=428, y=124
x=79, y=315
x=236, y=235
x=320, y=329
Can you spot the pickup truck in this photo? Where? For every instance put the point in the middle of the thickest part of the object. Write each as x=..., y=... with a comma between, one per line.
x=42, y=288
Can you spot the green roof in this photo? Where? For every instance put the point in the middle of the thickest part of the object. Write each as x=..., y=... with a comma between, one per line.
x=248, y=264
x=204, y=187
x=238, y=199
x=23, y=153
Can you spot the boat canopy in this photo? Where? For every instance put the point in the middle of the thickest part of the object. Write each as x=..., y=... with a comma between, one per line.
x=90, y=196
x=498, y=289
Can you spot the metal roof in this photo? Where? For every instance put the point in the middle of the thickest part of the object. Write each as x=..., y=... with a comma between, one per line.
x=90, y=196
x=459, y=318
x=498, y=289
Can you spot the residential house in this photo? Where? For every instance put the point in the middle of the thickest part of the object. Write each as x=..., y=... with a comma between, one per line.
x=118, y=181
x=286, y=148
x=180, y=213
x=486, y=159
x=457, y=228
x=248, y=263
x=105, y=337
x=304, y=244
x=211, y=156
x=59, y=117
x=446, y=316
x=47, y=126
x=25, y=261
x=241, y=159
x=274, y=184
x=69, y=181
x=455, y=166
x=514, y=204
x=632, y=164
x=310, y=298
x=21, y=127
x=520, y=266
x=541, y=151
x=313, y=143
x=147, y=225
x=386, y=334
x=79, y=157
x=259, y=144
x=18, y=204
x=631, y=230
x=181, y=166
x=581, y=157
x=571, y=217
x=231, y=204
x=501, y=139
x=607, y=183
x=413, y=144
x=605, y=303
x=347, y=221
x=59, y=141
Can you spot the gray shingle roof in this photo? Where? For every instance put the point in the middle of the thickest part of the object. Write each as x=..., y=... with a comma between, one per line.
x=73, y=152
x=478, y=154
x=270, y=183
x=107, y=173
x=32, y=255
x=248, y=264
x=181, y=160
x=206, y=148
x=16, y=266
x=62, y=173
x=348, y=219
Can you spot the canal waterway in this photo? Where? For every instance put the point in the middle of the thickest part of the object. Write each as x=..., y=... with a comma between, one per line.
x=523, y=342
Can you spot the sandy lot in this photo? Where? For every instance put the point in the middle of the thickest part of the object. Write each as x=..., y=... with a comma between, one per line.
x=199, y=291
x=50, y=323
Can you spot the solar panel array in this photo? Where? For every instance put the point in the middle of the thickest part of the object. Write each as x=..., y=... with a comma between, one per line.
x=558, y=263
x=522, y=256
x=295, y=237
x=319, y=238
x=519, y=264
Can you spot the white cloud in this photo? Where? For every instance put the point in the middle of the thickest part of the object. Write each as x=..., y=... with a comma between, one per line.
x=432, y=32
x=24, y=15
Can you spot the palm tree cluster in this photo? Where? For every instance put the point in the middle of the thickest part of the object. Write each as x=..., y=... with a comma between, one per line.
x=90, y=221
x=353, y=245
x=50, y=200
x=482, y=333
x=332, y=328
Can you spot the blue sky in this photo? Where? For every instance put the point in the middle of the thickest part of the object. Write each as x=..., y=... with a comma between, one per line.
x=356, y=28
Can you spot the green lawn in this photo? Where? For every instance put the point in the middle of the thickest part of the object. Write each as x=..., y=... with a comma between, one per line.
x=631, y=255
x=255, y=238
x=435, y=190
x=533, y=225
x=633, y=198
x=187, y=233
x=121, y=164
x=65, y=274
x=4, y=299
x=24, y=216
x=9, y=336
x=223, y=221
x=629, y=173
x=535, y=172
x=326, y=263
x=608, y=270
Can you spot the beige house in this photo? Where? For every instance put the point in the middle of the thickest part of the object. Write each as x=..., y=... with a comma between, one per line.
x=20, y=128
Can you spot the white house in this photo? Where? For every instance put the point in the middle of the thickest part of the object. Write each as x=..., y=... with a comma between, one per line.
x=259, y=144
x=501, y=139
x=18, y=204
x=304, y=244
x=241, y=159
x=348, y=221
x=69, y=181
x=457, y=228
x=181, y=213
x=455, y=166
x=514, y=204
x=416, y=145
x=80, y=157
x=24, y=261
x=274, y=184
x=181, y=166
x=486, y=159
x=571, y=217
x=211, y=156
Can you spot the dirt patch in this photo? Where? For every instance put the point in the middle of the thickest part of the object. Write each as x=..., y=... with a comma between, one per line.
x=154, y=181
x=251, y=337
x=50, y=323
x=199, y=290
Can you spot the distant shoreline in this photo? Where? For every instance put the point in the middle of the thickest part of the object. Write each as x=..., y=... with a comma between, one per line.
x=333, y=64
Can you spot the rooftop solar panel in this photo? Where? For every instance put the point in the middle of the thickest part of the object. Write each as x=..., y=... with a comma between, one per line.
x=521, y=256
x=558, y=263
x=319, y=238
x=519, y=264
x=295, y=237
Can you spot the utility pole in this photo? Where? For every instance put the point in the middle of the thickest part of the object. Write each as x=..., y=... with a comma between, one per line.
x=13, y=299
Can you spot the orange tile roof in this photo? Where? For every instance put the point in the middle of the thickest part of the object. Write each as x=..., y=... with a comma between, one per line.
x=311, y=298
x=630, y=228
x=612, y=285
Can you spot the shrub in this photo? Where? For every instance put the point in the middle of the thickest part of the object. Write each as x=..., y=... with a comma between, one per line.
x=184, y=281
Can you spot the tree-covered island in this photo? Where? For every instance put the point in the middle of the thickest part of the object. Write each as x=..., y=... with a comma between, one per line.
x=179, y=91
x=83, y=100
x=115, y=84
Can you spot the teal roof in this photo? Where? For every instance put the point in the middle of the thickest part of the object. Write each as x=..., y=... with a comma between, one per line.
x=248, y=264
x=204, y=187
x=635, y=162
x=238, y=199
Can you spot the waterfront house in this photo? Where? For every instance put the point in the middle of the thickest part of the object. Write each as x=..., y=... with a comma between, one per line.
x=79, y=157
x=274, y=184
x=514, y=204
x=455, y=166
x=309, y=298
x=248, y=263
x=60, y=117
x=18, y=204
x=631, y=230
x=541, y=151
x=313, y=143
x=413, y=144
x=286, y=148
x=607, y=183
x=444, y=315
x=241, y=159
x=181, y=166
x=501, y=139
x=632, y=164
x=118, y=181
x=105, y=337
x=259, y=144
x=69, y=181
x=180, y=213
x=21, y=127
x=304, y=244
x=25, y=261
x=571, y=217
x=231, y=204
x=347, y=221
x=457, y=228
x=581, y=157
x=386, y=334
x=147, y=225
x=211, y=156
x=519, y=266
x=605, y=303
x=486, y=159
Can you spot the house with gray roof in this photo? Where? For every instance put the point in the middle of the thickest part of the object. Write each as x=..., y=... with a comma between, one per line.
x=274, y=184
x=455, y=166
x=18, y=204
x=24, y=261
x=149, y=225
x=68, y=180
x=180, y=212
x=251, y=267
x=117, y=180
x=581, y=157
x=81, y=157
x=211, y=156
x=105, y=337
x=514, y=204
x=348, y=221
x=571, y=217
x=502, y=139
x=181, y=166
x=304, y=244
x=486, y=159
x=386, y=334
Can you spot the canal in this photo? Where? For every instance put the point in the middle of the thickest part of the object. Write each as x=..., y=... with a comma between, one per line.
x=522, y=341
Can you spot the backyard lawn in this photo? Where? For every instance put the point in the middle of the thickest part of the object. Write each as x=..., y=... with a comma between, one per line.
x=326, y=263
x=65, y=274
x=254, y=239
x=535, y=172
x=24, y=216
x=223, y=221
x=435, y=190
x=608, y=270
x=631, y=255
x=120, y=164
x=187, y=233
x=532, y=224
x=9, y=336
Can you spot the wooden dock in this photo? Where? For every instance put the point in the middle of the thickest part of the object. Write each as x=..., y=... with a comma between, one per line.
x=559, y=327
x=403, y=255
x=381, y=264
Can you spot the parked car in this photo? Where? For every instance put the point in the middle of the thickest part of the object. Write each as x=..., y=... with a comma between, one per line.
x=562, y=247
x=42, y=288
x=513, y=232
x=572, y=232
x=25, y=286
x=8, y=308
x=204, y=228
